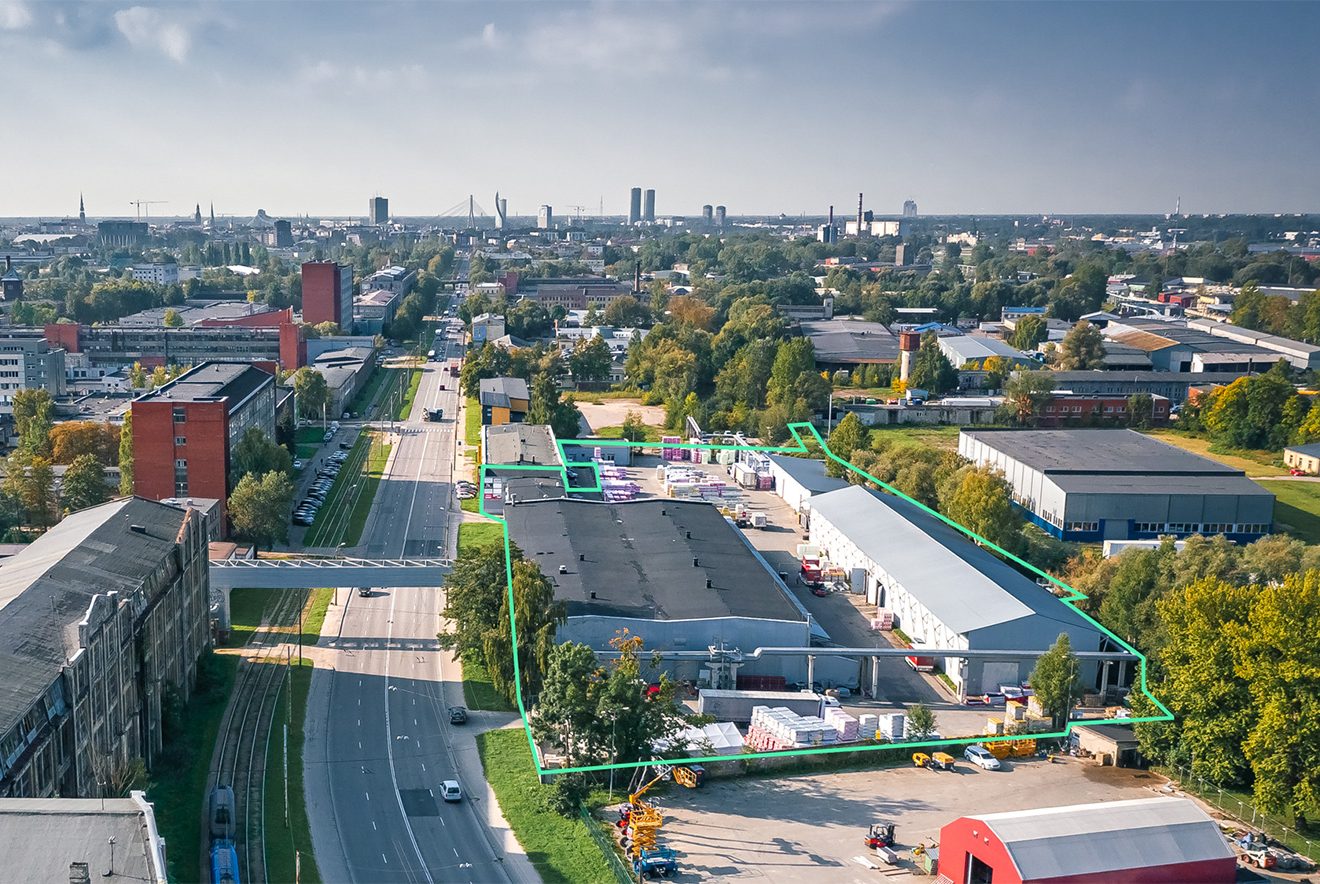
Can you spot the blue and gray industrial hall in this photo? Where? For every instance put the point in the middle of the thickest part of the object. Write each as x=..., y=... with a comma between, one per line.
x=1091, y=485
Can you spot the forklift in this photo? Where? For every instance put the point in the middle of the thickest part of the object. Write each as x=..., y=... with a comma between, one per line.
x=880, y=835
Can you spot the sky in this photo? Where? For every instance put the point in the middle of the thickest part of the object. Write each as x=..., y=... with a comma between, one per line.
x=313, y=107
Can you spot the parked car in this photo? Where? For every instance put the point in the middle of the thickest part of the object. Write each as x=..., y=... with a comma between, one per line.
x=451, y=791
x=981, y=757
x=298, y=464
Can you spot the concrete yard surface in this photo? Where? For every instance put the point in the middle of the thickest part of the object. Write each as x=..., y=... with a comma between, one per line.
x=808, y=827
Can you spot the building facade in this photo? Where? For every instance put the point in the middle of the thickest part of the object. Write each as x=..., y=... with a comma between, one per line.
x=160, y=273
x=503, y=401
x=27, y=362
x=103, y=621
x=327, y=290
x=184, y=432
x=378, y=211
x=1094, y=485
x=112, y=347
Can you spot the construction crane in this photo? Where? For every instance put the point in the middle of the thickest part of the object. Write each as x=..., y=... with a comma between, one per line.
x=146, y=205
x=578, y=210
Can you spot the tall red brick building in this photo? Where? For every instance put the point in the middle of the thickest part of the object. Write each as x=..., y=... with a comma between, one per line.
x=185, y=431
x=327, y=294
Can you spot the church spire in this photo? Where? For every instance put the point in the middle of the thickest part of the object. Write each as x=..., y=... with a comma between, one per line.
x=82, y=209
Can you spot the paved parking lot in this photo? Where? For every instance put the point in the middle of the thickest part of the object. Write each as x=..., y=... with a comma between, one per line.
x=809, y=827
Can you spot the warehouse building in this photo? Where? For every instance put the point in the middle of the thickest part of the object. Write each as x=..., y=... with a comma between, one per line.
x=101, y=619
x=961, y=349
x=798, y=479
x=1173, y=385
x=1093, y=485
x=1206, y=347
x=676, y=573
x=846, y=343
x=1139, y=841
x=81, y=839
x=947, y=592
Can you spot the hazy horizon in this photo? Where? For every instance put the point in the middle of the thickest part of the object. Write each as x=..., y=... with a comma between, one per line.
x=970, y=109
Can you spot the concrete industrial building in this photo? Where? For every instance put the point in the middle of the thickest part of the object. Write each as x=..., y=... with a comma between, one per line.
x=847, y=343
x=185, y=431
x=693, y=580
x=101, y=618
x=1205, y=346
x=346, y=371
x=374, y=310
x=798, y=479
x=1172, y=385
x=79, y=839
x=327, y=291
x=947, y=592
x=394, y=278
x=1092, y=485
x=271, y=338
x=1138, y=841
x=503, y=401
x=959, y=349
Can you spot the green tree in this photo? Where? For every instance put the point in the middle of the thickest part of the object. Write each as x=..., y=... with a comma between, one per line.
x=1057, y=681
x=1025, y=393
x=627, y=312
x=1083, y=348
x=172, y=318
x=846, y=438
x=311, y=392
x=259, y=507
x=931, y=369
x=126, y=455
x=633, y=429
x=1140, y=410
x=1029, y=331
x=792, y=360
x=83, y=484
x=327, y=329
x=921, y=722
x=474, y=593
x=982, y=502
x=31, y=482
x=32, y=420
x=539, y=615
x=590, y=360
x=1247, y=306
x=259, y=454
x=137, y=376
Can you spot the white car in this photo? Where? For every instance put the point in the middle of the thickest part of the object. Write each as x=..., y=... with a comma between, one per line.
x=981, y=757
x=450, y=791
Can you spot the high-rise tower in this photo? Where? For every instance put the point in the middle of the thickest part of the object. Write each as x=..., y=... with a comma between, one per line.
x=648, y=207
x=635, y=206
x=82, y=210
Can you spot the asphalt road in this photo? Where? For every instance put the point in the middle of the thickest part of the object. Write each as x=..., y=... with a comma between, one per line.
x=387, y=747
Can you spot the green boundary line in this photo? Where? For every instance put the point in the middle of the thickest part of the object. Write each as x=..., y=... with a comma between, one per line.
x=797, y=429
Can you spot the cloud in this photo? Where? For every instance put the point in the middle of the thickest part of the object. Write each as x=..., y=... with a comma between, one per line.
x=491, y=37
x=363, y=77
x=14, y=15
x=148, y=28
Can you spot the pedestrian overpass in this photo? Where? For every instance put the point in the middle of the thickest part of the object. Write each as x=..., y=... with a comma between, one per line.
x=313, y=573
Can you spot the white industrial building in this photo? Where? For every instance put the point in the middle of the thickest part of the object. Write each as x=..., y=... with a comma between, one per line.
x=159, y=273
x=947, y=592
x=1093, y=485
x=798, y=479
x=961, y=349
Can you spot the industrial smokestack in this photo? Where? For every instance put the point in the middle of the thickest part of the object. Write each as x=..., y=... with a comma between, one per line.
x=637, y=278
x=859, y=214
x=831, y=216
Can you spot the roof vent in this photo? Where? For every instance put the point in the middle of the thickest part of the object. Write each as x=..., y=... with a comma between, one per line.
x=593, y=594
x=582, y=557
x=689, y=535
x=140, y=529
x=709, y=583
x=563, y=569
x=696, y=563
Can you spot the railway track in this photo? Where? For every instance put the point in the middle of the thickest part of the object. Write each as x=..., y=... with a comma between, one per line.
x=244, y=734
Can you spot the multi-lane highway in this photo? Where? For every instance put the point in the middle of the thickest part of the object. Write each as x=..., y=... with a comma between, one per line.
x=379, y=733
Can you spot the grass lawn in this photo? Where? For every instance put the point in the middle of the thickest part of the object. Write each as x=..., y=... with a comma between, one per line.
x=178, y=785
x=245, y=609
x=602, y=396
x=367, y=394
x=413, y=383
x=309, y=436
x=478, y=692
x=314, y=615
x=652, y=433
x=1251, y=461
x=474, y=534
x=561, y=849
x=471, y=505
x=330, y=525
x=945, y=438
x=357, y=519
x=1297, y=508
x=306, y=452
x=283, y=840
x=472, y=426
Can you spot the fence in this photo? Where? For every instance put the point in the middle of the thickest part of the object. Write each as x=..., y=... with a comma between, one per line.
x=1245, y=812
x=622, y=873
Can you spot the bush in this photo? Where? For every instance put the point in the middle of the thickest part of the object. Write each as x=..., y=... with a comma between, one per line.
x=569, y=791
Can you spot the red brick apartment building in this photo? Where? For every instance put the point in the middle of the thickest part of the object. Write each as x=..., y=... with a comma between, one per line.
x=327, y=293
x=184, y=432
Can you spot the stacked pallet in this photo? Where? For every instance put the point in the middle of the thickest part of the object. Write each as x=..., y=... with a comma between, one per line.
x=845, y=726
x=867, y=726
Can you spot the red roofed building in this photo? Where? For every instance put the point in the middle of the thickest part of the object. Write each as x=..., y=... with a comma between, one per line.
x=1142, y=841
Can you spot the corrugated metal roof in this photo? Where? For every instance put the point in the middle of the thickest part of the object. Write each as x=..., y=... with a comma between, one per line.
x=962, y=584
x=1092, y=839
x=808, y=473
x=1090, y=451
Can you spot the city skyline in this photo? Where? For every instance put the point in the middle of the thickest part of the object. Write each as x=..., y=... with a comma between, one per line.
x=968, y=109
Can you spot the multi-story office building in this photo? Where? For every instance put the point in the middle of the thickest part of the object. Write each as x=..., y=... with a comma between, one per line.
x=269, y=338
x=27, y=362
x=327, y=290
x=378, y=211
x=185, y=431
x=102, y=620
x=161, y=273
x=283, y=235
x=394, y=278
x=545, y=218
x=635, y=205
x=648, y=206
x=373, y=311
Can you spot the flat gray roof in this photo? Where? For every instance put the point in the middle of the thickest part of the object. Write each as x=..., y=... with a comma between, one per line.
x=637, y=559
x=808, y=472
x=1090, y=451
x=963, y=585
x=211, y=381
x=850, y=340
x=1229, y=485
x=41, y=837
x=520, y=444
x=46, y=589
x=499, y=391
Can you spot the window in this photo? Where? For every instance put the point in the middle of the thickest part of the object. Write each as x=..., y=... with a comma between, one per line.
x=180, y=440
x=180, y=464
x=180, y=415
